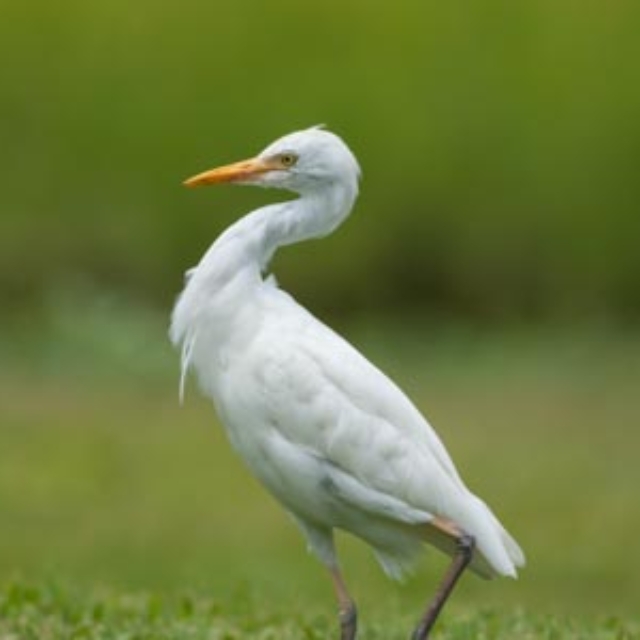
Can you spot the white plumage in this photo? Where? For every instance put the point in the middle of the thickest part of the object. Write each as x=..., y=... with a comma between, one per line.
x=326, y=432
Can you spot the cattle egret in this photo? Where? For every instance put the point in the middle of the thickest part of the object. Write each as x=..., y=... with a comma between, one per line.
x=326, y=432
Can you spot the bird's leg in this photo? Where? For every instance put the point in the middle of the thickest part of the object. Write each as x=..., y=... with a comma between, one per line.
x=346, y=607
x=465, y=545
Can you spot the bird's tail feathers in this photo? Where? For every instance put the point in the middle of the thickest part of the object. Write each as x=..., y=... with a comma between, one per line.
x=500, y=552
x=497, y=553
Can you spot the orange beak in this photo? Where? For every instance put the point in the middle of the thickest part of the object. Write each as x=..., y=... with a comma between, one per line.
x=236, y=172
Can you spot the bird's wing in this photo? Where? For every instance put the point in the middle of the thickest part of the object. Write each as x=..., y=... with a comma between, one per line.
x=324, y=396
x=336, y=441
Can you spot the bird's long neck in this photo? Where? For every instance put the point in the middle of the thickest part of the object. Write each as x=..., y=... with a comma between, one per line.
x=245, y=249
x=230, y=273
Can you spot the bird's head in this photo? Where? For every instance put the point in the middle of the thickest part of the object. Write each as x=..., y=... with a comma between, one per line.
x=301, y=162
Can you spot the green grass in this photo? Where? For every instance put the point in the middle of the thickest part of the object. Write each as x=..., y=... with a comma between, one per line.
x=50, y=612
x=125, y=515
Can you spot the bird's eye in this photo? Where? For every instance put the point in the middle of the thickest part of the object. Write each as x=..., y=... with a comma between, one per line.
x=288, y=159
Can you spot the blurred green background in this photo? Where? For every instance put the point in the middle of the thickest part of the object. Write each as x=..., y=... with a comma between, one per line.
x=491, y=266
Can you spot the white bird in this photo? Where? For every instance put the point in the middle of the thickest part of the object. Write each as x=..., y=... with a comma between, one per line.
x=325, y=431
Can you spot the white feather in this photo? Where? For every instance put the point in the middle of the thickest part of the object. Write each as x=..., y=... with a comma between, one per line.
x=336, y=441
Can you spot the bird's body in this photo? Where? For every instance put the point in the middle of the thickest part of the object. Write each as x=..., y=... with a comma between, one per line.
x=328, y=434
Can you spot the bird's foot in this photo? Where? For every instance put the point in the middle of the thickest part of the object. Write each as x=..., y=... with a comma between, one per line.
x=348, y=622
x=421, y=632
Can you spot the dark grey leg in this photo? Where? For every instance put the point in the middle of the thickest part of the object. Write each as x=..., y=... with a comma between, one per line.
x=465, y=548
x=348, y=623
x=347, y=607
